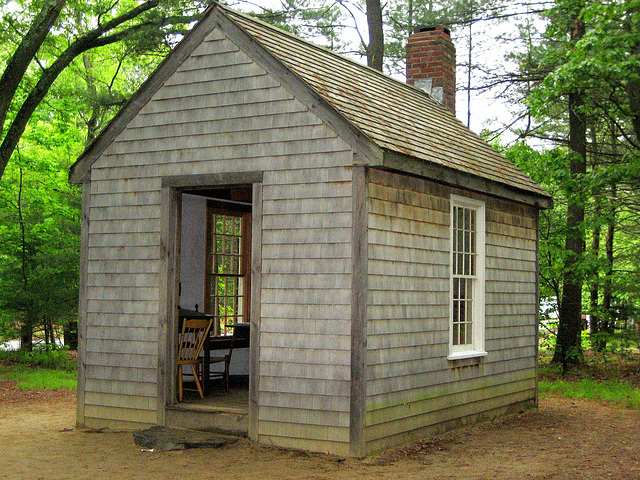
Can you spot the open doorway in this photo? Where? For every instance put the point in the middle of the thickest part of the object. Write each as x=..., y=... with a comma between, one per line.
x=215, y=284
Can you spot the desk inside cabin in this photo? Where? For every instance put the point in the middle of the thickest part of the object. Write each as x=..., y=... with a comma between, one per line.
x=239, y=339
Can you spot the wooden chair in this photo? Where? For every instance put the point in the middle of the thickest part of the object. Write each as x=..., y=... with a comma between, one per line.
x=226, y=359
x=240, y=338
x=191, y=340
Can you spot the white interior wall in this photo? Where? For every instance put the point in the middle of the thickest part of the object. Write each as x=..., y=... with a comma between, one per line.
x=193, y=242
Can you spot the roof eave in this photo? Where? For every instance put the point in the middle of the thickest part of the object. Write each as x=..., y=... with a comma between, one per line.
x=399, y=162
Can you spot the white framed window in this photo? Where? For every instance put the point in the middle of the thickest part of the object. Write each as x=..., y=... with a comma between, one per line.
x=467, y=301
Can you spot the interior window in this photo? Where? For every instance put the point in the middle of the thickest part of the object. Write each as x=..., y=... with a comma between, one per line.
x=228, y=267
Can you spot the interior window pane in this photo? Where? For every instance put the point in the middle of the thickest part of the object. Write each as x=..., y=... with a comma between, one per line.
x=227, y=278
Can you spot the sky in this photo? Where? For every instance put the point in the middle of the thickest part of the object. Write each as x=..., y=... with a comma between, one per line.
x=489, y=110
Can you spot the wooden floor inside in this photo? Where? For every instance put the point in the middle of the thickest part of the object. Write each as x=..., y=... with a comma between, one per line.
x=218, y=398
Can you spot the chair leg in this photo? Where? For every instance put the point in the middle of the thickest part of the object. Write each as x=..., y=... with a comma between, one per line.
x=180, y=391
x=227, y=361
x=195, y=376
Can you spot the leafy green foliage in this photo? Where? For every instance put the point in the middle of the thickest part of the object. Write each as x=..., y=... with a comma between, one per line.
x=52, y=359
x=39, y=228
x=39, y=210
x=591, y=51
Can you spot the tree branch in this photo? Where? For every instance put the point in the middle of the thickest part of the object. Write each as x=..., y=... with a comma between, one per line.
x=24, y=54
x=88, y=41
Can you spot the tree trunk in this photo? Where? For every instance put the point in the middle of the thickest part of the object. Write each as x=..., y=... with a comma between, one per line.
x=608, y=324
x=24, y=54
x=70, y=334
x=594, y=324
x=92, y=121
x=93, y=39
x=568, y=346
x=26, y=336
x=375, y=49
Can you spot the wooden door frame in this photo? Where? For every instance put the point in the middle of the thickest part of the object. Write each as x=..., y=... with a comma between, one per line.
x=170, y=234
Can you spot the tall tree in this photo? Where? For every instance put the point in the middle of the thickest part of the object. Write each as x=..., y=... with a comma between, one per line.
x=568, y=345
x=375, y=47
x=585, y=75
x=44, y=24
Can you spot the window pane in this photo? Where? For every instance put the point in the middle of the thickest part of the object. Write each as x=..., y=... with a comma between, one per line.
x=464, y=269
x=226, y=280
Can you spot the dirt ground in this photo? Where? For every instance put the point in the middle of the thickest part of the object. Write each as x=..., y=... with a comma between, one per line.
x=563, y=439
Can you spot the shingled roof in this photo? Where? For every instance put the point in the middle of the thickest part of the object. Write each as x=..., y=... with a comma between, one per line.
x=414, y=132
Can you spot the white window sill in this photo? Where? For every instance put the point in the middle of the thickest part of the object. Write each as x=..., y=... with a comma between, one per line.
x=467, y=354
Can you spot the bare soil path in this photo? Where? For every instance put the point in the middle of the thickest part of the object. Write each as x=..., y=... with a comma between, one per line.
x=563, y=439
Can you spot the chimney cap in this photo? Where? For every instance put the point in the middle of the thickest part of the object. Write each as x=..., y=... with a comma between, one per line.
x=432, y=28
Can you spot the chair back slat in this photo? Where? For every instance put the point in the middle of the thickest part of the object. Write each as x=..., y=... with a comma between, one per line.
x=192, y=337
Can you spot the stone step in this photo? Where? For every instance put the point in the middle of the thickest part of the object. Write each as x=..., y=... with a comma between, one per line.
x=229, y=421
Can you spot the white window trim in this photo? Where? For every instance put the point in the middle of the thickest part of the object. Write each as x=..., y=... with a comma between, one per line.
x=477, y=347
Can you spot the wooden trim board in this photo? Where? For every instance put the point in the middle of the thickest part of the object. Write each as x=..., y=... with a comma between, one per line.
x=254, y=345
x=82, y=302
x=358, y=312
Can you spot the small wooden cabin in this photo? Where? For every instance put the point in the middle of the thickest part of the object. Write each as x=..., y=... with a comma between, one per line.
x=385, y=257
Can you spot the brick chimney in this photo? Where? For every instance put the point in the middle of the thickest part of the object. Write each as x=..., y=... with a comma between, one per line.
x=431, y=64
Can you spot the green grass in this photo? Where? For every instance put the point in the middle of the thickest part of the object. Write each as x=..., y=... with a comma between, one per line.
x=611, y=375
x=620, y=393
x=39, y=378
x=40, y=370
